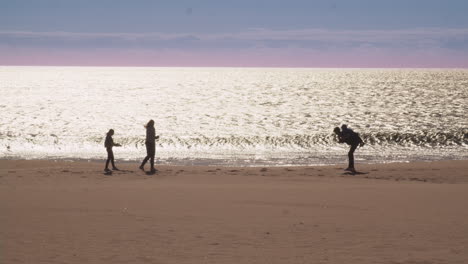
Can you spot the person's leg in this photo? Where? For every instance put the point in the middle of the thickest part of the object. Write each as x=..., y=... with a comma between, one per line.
x=152, y=163
x=148, y=150
x=108, y=159
x=351, y=156
x=107, y=164
x=152, y=154
x=112, y=160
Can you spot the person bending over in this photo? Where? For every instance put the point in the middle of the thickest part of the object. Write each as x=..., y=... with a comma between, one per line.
x=348, y=136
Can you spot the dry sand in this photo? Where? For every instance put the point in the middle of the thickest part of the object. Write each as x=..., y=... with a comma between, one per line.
x=70, y=212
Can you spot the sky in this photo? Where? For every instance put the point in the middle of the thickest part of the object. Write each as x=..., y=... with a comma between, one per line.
x=240, y=33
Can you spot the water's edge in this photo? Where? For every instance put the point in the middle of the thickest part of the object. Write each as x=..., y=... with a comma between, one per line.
x=231, y=163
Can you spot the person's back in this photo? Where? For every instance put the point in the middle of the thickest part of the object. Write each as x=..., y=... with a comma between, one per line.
x=349, y=136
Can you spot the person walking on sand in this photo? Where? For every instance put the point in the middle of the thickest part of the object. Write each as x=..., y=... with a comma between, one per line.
x=109, y=143
x=348, y=136
x=150, y=143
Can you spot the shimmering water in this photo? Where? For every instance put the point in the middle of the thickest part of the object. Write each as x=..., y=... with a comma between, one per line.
x=234, y=116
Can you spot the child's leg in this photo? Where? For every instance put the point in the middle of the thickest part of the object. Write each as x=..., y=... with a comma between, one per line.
x=112, y=158
x=109, y=158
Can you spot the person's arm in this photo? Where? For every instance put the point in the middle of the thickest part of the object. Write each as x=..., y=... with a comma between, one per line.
x=341, y=139
x=114, y=144
x=339, y=135
x=153, y=133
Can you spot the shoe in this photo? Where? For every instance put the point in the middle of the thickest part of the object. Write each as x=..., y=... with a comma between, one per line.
x=349, y=169
x=141, y=168
x=153, y=170
x=107, y=170
x=115, y=168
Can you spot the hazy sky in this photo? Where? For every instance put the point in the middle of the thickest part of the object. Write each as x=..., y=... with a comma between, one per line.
x=313, y=33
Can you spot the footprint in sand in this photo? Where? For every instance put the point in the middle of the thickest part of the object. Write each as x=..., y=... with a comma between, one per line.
x=264, y=169
x=11, y=171
x=65, y=171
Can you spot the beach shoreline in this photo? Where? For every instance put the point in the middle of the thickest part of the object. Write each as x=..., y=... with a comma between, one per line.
x=241, y=163
x=72, y=212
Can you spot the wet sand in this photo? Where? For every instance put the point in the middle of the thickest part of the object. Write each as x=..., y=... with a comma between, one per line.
x=71, y=212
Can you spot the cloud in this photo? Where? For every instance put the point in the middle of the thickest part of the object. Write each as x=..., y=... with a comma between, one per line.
x=451, y=38
x=418, y=47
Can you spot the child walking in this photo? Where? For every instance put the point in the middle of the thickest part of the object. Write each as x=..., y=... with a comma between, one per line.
x=109, y=143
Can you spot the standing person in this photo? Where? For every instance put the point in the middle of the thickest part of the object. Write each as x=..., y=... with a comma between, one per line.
x=348, y=136
x=109, y=143
x=150, y=143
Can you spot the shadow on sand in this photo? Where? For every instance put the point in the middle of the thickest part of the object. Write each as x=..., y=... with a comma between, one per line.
x=151, y=172
x=355, y=173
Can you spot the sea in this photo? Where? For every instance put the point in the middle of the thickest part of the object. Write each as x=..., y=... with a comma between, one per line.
x=234, y=116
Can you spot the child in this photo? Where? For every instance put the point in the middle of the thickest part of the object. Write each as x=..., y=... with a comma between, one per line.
x=109, y=143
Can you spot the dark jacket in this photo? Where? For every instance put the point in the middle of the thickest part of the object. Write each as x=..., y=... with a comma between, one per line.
x=150, y=135
x=109, y=143
x=350, y=137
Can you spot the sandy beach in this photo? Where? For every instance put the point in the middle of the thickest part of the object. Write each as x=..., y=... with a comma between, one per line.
x=71, y=212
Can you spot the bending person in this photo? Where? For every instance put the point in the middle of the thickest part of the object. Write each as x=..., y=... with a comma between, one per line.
x=150, y=143
x=351, y=138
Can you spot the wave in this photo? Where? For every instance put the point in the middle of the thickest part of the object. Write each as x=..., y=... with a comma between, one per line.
x=287, y=142
x=421, y=139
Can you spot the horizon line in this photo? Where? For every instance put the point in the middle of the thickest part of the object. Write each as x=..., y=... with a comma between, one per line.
x=192, y=66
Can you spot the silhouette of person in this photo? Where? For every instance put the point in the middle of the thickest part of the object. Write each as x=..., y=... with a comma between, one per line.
x=150, y=143
x=348, y=136
x=109, y=143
